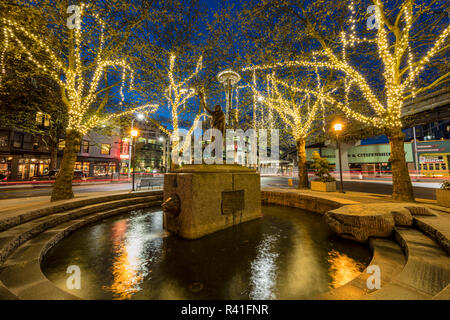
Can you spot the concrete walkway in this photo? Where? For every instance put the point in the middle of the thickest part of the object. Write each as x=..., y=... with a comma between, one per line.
x=13, y=207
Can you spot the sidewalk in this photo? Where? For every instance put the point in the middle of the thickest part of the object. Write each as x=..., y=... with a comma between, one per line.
x=11, y=207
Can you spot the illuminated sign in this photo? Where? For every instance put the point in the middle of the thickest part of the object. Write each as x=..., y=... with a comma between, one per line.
x=124, y=157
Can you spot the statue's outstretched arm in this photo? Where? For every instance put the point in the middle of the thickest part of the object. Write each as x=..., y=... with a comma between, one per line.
x=203, y=103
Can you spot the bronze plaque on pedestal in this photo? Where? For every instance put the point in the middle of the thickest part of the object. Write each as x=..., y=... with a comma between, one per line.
x=232, y=201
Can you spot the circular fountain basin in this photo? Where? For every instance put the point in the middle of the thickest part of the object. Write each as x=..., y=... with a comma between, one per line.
x=287, y=254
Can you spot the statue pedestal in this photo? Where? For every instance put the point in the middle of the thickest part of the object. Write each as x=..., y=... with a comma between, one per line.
x=207, y=198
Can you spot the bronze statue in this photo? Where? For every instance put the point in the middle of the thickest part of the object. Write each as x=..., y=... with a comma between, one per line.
x=218, y=117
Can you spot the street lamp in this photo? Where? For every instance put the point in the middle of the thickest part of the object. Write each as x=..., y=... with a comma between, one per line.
x=165, y=152
x=338, y=129
x=139, y=116
x=134, y=134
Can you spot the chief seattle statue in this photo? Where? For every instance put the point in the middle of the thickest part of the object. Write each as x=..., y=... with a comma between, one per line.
x=218, y=117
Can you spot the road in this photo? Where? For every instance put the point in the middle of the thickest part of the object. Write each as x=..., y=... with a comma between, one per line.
x=421, y=190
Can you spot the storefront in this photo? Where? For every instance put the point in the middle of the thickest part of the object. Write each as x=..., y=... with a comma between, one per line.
x=104, y=169
x=32, y=166
x=373, y=160
x=5, y=165
x=434, y=158
x=83, y=166
x=370, y=160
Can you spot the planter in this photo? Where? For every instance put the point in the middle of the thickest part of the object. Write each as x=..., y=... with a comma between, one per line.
x=323, y=186
x=443, y=197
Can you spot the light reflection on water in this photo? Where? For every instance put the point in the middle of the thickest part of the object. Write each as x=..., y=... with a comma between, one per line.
x=343, y=268
x=264, y=270
x=288, y=254
x=131, y=244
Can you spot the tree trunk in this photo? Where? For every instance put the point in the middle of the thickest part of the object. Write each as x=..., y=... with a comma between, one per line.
x=302, y=170
x=53, y=155
x=402, y=186
x=62, y=189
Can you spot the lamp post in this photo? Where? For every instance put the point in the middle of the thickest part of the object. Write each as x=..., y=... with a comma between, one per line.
x=161, y=139
x=139, y=116
x=134, y=134
x=338, y=129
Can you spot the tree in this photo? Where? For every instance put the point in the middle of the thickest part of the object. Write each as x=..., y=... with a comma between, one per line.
x=80, y=66
x=390, y=75
x=27, y=98
x=177, y=94
x=298, y=107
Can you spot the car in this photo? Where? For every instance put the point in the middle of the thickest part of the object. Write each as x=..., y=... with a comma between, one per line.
x=51, y=175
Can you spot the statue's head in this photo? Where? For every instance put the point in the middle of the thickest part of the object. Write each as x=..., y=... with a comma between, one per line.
x=217, y=108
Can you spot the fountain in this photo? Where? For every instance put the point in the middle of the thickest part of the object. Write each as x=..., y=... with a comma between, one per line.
x=202, y=199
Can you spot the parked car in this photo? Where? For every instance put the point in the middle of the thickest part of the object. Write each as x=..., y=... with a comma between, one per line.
x=51, y=175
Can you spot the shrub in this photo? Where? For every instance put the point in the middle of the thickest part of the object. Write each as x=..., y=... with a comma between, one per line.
x=321, y=168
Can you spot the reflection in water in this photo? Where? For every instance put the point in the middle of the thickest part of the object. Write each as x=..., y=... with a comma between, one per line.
x=131, y=244
x=342, y=268
x=288, y=254
x=264, y=270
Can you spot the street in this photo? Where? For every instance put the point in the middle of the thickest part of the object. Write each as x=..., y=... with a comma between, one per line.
x=422, y=190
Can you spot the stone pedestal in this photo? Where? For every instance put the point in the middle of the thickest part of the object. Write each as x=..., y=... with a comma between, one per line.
x=209, y=198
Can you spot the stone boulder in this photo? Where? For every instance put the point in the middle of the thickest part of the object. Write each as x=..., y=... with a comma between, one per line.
x=360, y=221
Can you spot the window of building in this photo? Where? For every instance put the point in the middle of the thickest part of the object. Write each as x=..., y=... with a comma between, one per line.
x=84, y=148
x=61, y=144
x=4, y=137
x=106, y=149
x=42, y=119
x=425, y=166
x=18, y=140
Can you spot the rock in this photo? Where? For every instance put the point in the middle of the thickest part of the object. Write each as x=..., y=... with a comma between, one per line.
x=402, y=217
x=359, y=222
x=420, y=211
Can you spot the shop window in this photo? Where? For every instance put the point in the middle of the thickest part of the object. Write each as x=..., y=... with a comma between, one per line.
x=42, y=119
x=105, y=149
x=84, y=148
x=61, y=144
